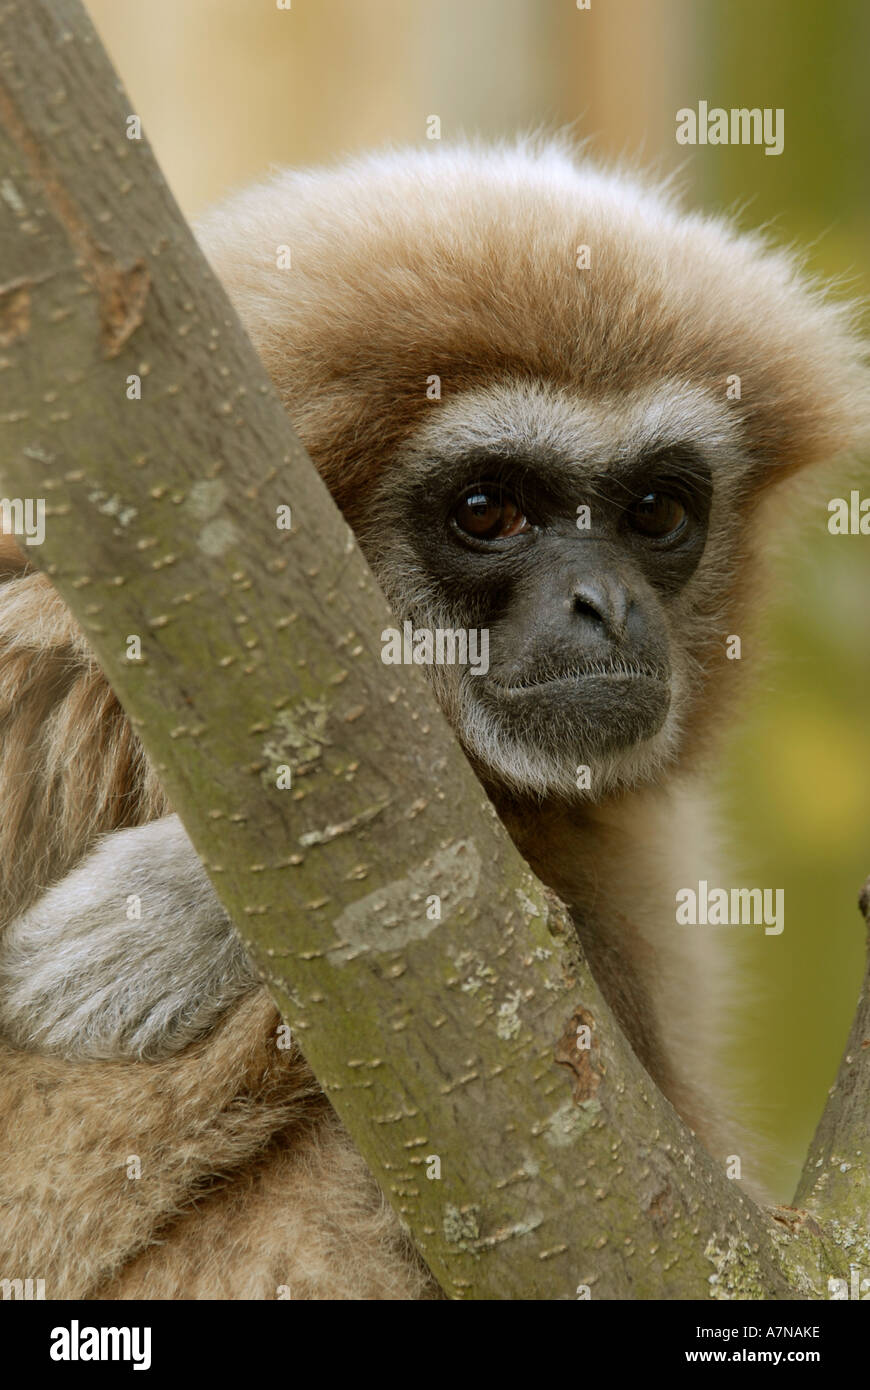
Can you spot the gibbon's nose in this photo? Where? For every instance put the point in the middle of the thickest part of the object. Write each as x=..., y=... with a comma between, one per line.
x=605, y=602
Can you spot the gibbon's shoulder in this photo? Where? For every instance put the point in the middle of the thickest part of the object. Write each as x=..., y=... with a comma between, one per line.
x=72, y=766
x=530, y=260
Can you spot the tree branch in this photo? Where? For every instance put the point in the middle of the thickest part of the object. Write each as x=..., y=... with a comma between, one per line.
x=835, y=1182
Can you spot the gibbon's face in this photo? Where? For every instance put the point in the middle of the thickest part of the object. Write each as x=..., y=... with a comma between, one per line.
x=571, y=533
x=547, y=400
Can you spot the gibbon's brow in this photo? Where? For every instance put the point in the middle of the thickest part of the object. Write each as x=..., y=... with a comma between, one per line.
x=654, y=468
x=531, y=475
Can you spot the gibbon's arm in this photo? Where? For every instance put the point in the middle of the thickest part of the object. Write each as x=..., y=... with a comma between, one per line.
x=129, y=956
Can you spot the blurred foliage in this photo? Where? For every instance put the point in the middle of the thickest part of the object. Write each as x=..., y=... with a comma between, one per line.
x=795, y=783
x=226, y=88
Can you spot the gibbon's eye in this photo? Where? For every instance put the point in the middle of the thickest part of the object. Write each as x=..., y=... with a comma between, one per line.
x=658, y=514
x=489, y=515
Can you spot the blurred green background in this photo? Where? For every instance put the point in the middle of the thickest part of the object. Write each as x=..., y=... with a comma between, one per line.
x=227, y=87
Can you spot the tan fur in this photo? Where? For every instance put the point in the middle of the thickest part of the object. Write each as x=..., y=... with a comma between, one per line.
x=72, y=768
x=461, y=265
x=247, y=1181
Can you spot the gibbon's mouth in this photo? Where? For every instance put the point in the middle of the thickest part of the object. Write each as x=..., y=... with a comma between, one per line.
x=599, y=707
x=595, y=672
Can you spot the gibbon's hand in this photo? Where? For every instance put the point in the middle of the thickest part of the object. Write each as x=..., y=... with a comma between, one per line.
x=130, y=956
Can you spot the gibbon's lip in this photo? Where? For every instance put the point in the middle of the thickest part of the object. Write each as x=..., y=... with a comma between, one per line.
x=610, y=671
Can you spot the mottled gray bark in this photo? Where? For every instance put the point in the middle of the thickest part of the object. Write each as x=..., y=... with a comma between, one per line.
x=835, y=1184
x=452, y=1038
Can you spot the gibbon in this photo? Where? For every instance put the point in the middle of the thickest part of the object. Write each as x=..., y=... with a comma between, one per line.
x=551, y=403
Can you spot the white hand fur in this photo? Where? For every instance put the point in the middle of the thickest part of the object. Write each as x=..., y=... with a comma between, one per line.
x=81, y=978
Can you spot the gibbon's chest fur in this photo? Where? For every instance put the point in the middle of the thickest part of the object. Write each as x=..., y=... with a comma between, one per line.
x=463, y=267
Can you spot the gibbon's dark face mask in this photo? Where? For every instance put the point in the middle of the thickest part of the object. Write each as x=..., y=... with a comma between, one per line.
x=572, y=578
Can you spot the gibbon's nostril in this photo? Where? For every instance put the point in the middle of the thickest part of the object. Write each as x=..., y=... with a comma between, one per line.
x=605, y=604
x=587, y=610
